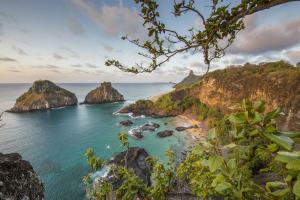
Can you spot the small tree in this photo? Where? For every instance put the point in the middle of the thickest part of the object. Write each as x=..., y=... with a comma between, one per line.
x=221, y=27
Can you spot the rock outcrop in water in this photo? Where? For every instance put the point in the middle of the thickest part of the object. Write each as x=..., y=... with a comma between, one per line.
x=105, y=93
x=43, y=95
x=18, y=180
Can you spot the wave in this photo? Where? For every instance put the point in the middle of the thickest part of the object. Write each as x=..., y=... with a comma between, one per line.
x=102, y=173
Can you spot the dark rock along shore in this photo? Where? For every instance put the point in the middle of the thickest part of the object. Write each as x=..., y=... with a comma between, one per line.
x=44, y=95
x=105, y=93
x=18, y=180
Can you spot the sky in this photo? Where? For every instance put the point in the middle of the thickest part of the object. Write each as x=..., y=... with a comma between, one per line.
x=69, y=40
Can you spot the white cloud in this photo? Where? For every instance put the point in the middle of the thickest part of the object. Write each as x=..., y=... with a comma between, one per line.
x=114, y=20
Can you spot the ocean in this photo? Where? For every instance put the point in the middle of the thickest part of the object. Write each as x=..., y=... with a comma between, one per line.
x=54, y=141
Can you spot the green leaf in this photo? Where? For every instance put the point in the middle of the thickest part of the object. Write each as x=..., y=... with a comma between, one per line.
x=293, y=165
x=283, y=141
x=257, y=118
x=222, y=187
x=285, y=157
x=280, y=193
x=215, y=163
x=271, y=186
x=290, y=134
x=296, y=188
x=259, y=106
x=212, y=134
x=230, y=146
x=273, y=147
x=271, y=115
x=236, y=118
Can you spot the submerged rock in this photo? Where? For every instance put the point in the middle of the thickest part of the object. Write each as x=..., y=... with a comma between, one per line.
x=126, y=122
x=18, y=180
x=44, y=95
x=105, y=93
x=136, y=160
x=165, y=133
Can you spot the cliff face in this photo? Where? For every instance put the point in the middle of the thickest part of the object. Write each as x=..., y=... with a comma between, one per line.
x=44, y=95
x=276, y=83
x=18, y=179
x=105, y=93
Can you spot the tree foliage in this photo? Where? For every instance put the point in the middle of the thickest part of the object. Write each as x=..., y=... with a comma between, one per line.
x=215, y=168
x=220, y=29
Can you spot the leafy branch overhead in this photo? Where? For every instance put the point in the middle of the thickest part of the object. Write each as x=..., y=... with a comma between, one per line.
x=220, y=29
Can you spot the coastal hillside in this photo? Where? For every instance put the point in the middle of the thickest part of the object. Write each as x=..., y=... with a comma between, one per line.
x=276, y=83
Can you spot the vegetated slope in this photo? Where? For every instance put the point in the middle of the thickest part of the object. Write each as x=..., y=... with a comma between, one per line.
x=277, y=83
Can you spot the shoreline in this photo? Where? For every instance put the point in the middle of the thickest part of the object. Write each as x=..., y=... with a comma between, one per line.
x=196, y=134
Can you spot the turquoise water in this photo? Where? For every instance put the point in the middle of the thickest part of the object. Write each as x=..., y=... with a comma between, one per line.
x=54, y=141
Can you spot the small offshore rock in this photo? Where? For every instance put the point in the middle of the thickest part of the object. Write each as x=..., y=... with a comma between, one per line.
x=126, y=122
x=105, y=93
x=165, y=133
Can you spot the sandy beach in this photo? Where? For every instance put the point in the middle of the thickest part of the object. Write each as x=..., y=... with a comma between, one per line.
x=199, y=133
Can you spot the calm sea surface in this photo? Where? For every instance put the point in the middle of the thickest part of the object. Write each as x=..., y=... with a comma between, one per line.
x=54, y=141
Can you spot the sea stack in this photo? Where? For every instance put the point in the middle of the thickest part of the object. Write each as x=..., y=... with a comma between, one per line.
x=43, y=95
x=105, y=93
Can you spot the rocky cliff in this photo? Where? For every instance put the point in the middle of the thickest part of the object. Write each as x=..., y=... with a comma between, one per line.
x=277, y=83
x=18, y=180
x=105, y=93
x=44, y=95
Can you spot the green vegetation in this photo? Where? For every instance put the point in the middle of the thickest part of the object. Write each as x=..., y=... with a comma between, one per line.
x=232, y=169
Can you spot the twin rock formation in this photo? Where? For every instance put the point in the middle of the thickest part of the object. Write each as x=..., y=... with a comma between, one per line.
x=45, y=95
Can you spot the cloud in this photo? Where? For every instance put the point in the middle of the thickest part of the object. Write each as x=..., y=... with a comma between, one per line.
x=70, y=51
x=74, y=26
x=294, y=56
x=91, y=65
x=54, y=70
x=77, y=65
x=80, y=71
x=14, y=70
x=114, y=20
x=1, y=28
x=58, y=57
x=107, y=47
x=52, y=67
x=257, y=39
x=19, y=50
x=7, y=59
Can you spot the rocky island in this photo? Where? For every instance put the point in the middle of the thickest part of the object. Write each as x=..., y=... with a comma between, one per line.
x=43, y=95
x=105, y=93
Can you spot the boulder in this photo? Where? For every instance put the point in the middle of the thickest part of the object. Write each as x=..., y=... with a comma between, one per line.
x=136, y=133
x=183, y=128
x=150, y=126
x=18, y=180
x=165, y=133
x=136, y=160
x=105, y=93
x=44, y=95
x=126, y=122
